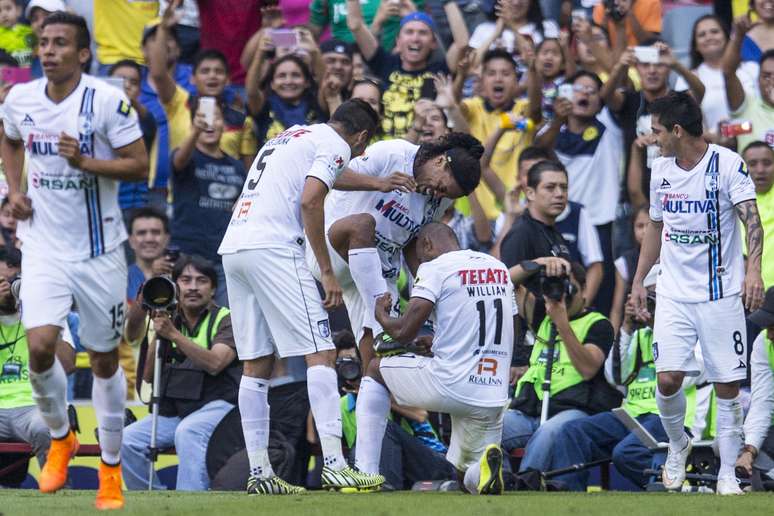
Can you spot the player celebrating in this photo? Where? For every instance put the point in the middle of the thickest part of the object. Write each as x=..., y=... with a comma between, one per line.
x=78, y=137
x=470, y=297
x=274, y=299
x=370, y=229
x=695, y=188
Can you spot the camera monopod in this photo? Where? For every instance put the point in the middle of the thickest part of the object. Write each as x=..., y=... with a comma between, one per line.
x=159, y=294
x=546, y=387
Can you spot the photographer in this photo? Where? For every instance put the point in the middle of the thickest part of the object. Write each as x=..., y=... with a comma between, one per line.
x=582, y=340
x=199, y=382
x=602, y=435
x=19, y=416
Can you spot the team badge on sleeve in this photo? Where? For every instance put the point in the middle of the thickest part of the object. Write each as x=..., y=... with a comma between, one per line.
x=324, y=328
x=124, y=108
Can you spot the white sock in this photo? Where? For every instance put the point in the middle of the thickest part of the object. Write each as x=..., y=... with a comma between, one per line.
x=109, y=397
x=365, y=267
x=321, y=382
x=672, y=412
x=49, y=389
x=729, y=434
x=254, y=409
x=471, y=478
x=371, y=411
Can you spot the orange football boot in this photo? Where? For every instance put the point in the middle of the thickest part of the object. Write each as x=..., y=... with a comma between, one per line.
x=109, y=495
x=54, y=474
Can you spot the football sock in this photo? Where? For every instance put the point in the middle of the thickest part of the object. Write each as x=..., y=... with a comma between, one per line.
x=672, y=411
x=729, y=434
x=109, y=397
x=365, y=267
x=371, y=411
x=471, y=478
x=254, y=409
x=323, y=387
x=49, y=390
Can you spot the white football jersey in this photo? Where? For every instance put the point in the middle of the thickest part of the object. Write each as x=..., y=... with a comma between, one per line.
x=75, y=214
x=399, y=215
x=268, y=213
x=701, y=248
x=473, y=321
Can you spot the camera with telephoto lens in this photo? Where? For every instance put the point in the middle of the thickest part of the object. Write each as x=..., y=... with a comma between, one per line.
x=348, y=369
x=613, y=11
x=159, y=294
x=555, y=287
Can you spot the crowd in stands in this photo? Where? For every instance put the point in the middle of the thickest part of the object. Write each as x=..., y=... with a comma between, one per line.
x=564, y=81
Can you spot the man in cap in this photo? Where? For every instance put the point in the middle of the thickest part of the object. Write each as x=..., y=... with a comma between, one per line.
x=336, y=85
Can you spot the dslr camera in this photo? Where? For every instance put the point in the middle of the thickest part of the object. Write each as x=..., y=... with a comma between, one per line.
x=556, y=287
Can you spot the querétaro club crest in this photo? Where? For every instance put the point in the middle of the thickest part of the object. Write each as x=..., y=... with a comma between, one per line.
x=324, y=328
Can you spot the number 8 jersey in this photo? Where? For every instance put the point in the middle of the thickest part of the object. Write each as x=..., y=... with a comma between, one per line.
x=268, y=213
x=473, y=321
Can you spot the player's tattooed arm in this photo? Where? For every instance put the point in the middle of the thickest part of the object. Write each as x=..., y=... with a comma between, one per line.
x=753, y=283
x=748, y=214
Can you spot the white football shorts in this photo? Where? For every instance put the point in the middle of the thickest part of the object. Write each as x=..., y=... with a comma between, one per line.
x=411, y=383
x=97, y=288
x=720, y=328
x=275, y=304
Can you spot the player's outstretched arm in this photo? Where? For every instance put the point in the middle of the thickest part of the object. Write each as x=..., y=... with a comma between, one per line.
x=130, y=163
x=405, y=328
x=649, y=253
x=313, y=216
x=753, y=284
x=349, y=180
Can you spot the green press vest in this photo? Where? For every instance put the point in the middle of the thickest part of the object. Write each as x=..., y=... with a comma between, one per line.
x=206, y=330
x=641, y=392
x=563, y=374
x=15, y=388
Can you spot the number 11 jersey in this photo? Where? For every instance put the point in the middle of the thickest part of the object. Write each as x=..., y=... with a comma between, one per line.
x=268, y=212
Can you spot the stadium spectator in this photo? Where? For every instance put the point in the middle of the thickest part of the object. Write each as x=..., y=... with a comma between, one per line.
x=336, y=84
x=759, y=157
x=207, y=183
x=758, y=433
x=7, y=224
x=210, y=78
x=407, y=75
x=148, y=237
x=602, y=435
x=134, y=194
x=582, y=341
x=513, y=17
x=200, y=378
x=36, y=11
x=118, y=30
x=631, y=108
x=592, y=50
x=16, y=38
x=745, y=105
x=382, y=18
x=369, y=91
x=20, y=420
x=285, y=97
x=708, y=43
x=187, y=28
x=626, y=265
x=632, y=21
x=546, y=72
x=761, y=35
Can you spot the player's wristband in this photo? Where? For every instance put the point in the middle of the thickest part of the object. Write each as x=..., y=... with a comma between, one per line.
x=506, y=122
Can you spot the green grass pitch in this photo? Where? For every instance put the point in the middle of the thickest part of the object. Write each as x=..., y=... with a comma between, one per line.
x=23, y=502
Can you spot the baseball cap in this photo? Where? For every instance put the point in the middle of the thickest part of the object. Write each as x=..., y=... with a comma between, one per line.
x=420, y=17
x=764, y=316
x=47, y=5
x=336, y=46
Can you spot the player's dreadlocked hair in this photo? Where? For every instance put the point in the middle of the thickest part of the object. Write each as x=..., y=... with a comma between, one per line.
x=462, y=152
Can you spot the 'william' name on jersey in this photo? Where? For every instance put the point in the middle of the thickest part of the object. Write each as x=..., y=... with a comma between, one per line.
x=485, y=282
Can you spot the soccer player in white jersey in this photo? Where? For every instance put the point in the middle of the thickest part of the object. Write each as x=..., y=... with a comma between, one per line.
x=470, y=298
x=370, y=232
x=77, y=136
x=275, y=303
x=697, y=191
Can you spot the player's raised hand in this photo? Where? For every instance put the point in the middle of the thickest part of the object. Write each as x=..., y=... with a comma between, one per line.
x=752, y=293
x=398, y=181
x=332, y=290
x=70, y=149
x=21, y=205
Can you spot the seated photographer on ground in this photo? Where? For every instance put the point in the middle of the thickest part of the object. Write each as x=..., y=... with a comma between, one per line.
x=582, y=341
x=199, y=379
x=20, y=420
x=603, y=435
x=411, y=449
x=758, y=426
